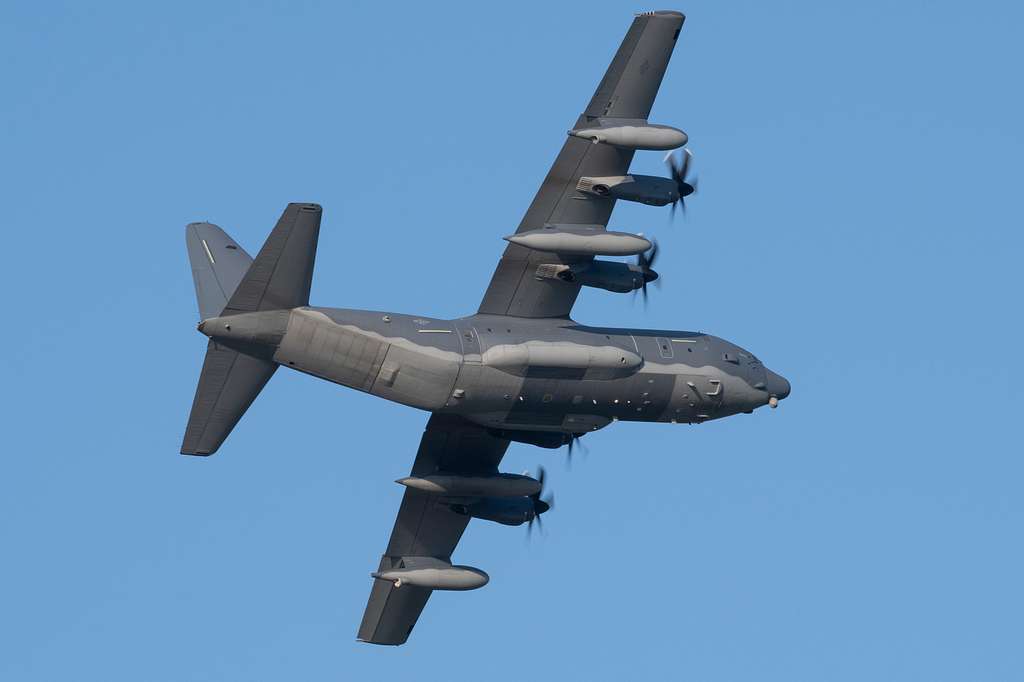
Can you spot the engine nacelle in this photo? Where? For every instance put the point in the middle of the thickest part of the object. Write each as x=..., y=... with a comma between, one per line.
x=551, y=440
x=643, y=189
x=510, y=511
x=621, y=278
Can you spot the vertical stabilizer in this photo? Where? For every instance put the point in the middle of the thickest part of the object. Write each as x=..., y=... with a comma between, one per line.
x=228, y=284
x=280, y=276
x=218, y=265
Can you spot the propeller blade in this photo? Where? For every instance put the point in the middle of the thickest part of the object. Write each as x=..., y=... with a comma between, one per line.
x=644, y=261
x=540, y=506
x=684, y=167
x=679, y=169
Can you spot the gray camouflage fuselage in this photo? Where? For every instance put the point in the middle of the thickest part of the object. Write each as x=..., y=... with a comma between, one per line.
x=463, y=366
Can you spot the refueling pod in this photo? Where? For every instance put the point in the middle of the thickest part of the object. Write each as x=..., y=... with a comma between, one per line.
x=498, y=485
x=581, y=240
x=426, y=571
x=632, y=134
x=643, y=189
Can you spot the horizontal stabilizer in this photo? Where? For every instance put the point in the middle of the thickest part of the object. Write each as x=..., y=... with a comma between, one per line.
x=218, y=265
x=229, y=382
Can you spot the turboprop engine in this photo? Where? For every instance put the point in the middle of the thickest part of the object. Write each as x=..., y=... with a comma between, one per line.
x=620, y=278
x=512, y=511
x=642, y=189
x=551, y=440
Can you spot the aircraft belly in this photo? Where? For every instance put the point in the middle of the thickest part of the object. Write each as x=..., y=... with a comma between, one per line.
x=416, y=377
x=568, y=405
x=316, y=345
x=484, y=390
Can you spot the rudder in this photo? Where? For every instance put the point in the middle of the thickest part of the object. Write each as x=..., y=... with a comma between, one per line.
x=218, y=265
x=280, y=277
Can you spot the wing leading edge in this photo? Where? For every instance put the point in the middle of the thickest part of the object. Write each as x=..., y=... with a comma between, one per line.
x=425, y=527
x=627, y=91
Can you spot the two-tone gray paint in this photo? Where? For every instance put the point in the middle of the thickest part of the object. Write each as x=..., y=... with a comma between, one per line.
x=520, y=369
x=447, y=366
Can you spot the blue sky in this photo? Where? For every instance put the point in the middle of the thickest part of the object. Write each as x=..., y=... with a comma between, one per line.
x=858, y=227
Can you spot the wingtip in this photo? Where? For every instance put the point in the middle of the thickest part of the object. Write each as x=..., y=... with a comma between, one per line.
x=667, y=13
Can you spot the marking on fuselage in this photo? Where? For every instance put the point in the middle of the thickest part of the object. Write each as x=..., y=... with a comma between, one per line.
x=635, y=345
x=433, y=331
x=208, y=254
x=684, y=340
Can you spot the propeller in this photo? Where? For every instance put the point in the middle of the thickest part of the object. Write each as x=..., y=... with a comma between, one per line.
x=644, y=263
x=574, y=438
x=539, y=506
x=679, y=169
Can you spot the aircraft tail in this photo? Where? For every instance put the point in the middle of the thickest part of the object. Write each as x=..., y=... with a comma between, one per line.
x=228, y=282
x=228, y=384
x=280, y=276
x=218, y=265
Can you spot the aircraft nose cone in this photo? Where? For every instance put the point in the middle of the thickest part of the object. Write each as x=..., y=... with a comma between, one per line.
x=777, y=385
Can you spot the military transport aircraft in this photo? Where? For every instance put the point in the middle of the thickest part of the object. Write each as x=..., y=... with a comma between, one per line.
x=520, y=369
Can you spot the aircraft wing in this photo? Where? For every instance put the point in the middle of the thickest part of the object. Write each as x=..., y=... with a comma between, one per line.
x=425, y=526
x=627, y=91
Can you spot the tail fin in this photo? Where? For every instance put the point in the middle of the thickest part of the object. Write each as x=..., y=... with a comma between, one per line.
x=278, y=279
x=218, y=265
x=280, y=276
